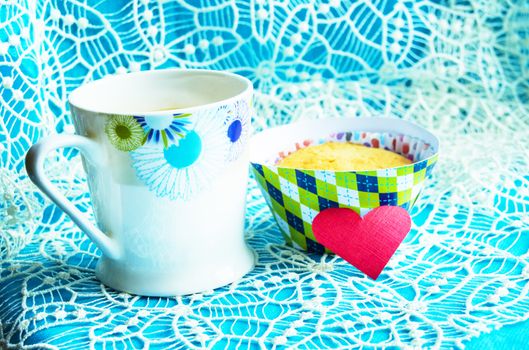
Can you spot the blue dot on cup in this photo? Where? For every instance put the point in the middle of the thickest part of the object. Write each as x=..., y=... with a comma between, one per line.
x=235, y=130
x=185, y=153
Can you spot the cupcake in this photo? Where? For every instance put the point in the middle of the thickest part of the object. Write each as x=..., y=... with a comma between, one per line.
x=357, y=163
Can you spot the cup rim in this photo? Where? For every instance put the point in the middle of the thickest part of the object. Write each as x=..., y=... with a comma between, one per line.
x=265, y=142
x=75, y=95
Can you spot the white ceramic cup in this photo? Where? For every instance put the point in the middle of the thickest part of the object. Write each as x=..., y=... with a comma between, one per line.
x=167, y=166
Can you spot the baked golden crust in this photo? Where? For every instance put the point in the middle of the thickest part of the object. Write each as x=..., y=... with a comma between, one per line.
x=342, y=156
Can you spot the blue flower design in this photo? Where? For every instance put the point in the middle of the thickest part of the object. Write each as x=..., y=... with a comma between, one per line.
x=164, y=129
x=185, y=168
x=237, y=126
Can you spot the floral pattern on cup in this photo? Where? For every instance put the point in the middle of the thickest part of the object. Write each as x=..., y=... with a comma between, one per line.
x=124, y=132
x=164, y=129
x=237, y=129
x=183, y=169
x=177, y=155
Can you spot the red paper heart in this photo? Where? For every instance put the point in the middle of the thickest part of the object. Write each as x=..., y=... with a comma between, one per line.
x=366, y=243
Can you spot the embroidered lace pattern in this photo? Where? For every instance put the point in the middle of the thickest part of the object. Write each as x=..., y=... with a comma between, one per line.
x=459, y=68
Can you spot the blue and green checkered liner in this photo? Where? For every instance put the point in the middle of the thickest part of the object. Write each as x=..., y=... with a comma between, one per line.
x=296, y=196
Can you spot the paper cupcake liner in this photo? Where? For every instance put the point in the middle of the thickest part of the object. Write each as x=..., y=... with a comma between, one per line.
x=296, y=196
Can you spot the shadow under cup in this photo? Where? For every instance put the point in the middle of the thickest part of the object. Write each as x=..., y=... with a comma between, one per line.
x=166, y=158
x=296, y=196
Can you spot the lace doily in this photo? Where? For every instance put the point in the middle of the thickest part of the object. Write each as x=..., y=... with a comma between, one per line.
x=457, y=68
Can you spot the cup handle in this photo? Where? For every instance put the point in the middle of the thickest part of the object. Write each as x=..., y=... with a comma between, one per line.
x=35, y=169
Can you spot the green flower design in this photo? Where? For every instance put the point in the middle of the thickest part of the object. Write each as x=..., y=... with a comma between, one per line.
x=124, y=132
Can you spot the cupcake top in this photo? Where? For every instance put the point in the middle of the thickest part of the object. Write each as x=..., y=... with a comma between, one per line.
x=342, y=156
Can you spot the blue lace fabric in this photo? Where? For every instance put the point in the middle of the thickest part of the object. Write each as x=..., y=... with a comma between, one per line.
x=457, y=68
